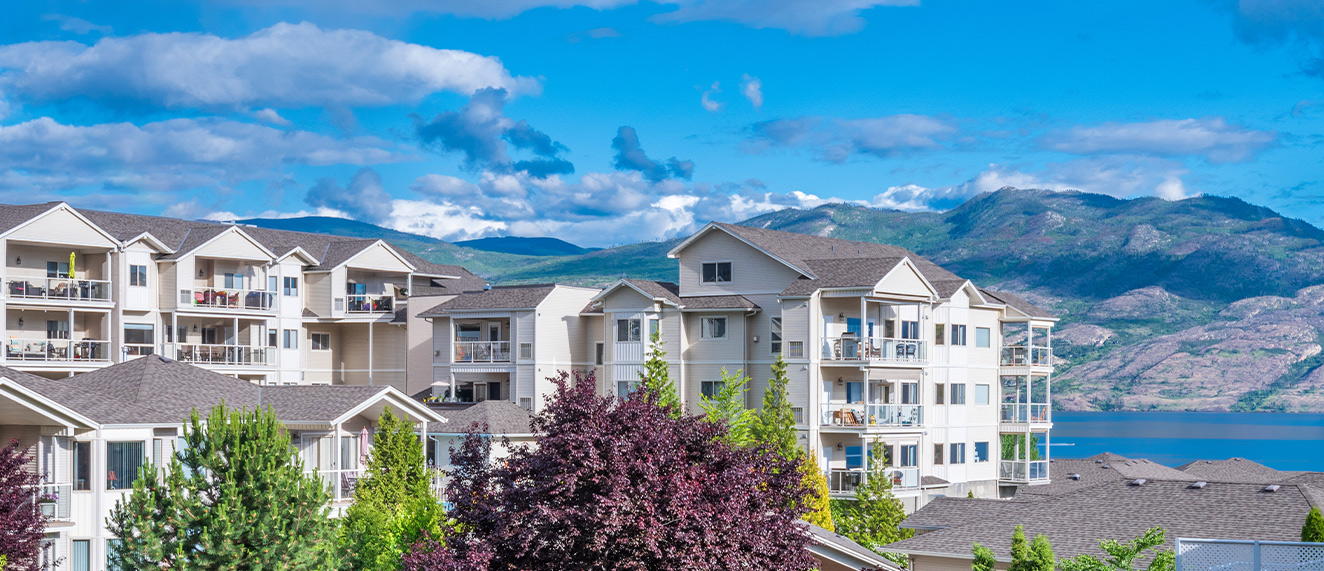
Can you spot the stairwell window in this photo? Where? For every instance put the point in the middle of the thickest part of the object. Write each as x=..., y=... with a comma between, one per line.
x=291, y=338
x=775, y=339
x=292, y=287
x=958, y=393
x=321, y=341
x=82, y=466
x=716, y=272
x=627, y=330
x=714, y=328
x=982, y=336
x=939, y=392
x=526, y=351
x=597, y=353
x=138, y=275
x=981, y=394
x=958, y=335
x=937, y=454
x=939, y=334
x=957, y=453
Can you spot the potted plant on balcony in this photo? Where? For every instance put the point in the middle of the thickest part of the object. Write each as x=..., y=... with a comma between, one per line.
x=47, y=503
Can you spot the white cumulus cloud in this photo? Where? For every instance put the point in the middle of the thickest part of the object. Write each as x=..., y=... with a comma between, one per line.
x=752, y=87
x=1212, y=138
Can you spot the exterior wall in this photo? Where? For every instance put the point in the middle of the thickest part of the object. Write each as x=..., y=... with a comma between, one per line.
x=751, y=271
x=932, y=563
x=422, y=340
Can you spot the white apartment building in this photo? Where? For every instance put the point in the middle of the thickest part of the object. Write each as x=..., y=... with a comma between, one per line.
x=83, y=289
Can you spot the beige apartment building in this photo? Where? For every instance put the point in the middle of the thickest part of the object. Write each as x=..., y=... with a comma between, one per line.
x=84, y=289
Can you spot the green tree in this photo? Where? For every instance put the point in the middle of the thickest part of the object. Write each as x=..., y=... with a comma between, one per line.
x=1030, y=556
x=774, y=425
x=729, y=406
x=1014, y=448
x=1313, y=530
x=984, y=559
x=234, y=498
x=817, y=500
x=1020, y=551
x=656, y=376
x=1041, y=554
x=394, y=505
x=874, y=517
x=1125, y=556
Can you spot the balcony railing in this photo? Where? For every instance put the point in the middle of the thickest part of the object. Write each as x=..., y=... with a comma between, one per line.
x=369, y=303
x=341, y=484
x=846, y=481
x=59, y=350
x=852, y=348
x=1023, y=470
x=861, y=415
x=1026, y=413
x=228, y=298
x=54, y=500
x=1027, y=357
x=482, y=351
x=223, y=354
x=138, y=350
x=60, y=289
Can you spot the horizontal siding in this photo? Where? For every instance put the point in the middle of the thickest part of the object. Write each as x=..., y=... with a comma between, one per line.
x=751, y=270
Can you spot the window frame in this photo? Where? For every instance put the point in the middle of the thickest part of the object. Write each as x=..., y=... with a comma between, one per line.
x=938, y=451
x=939, y=333
x=717, y=272
x=986, y=341
x=956, y=393
x=987, y=390
x=959, y=335
x=939, y=393
x=775, y=336
x=124, y=482
x=709, y=389
x=313, y=345
x=291, y=288
x=599, y=351
x=80, y=464
x=705, y=329
x=981, y=458
x=290, y=338
x=795, y=349
x=631, y=332
x=150, y=328
x=957, y=453
x=137, y=275
x=526, y=350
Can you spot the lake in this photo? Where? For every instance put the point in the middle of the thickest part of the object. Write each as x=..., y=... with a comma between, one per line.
x=1279, y=440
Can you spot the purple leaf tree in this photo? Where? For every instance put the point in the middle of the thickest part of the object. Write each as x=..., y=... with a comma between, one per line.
x=22, y=527
x=620, y=485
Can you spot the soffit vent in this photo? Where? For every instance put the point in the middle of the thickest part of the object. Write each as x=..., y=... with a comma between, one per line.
x=1138, y=482
x=1198, y=485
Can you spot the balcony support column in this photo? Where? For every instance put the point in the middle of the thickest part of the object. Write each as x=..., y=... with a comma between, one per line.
x=174, y=334
x=370, y=353
x=337, y=454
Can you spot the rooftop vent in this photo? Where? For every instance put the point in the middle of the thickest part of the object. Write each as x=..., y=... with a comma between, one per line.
x=487, y=287
x=1100, y=461
x=1074, y=476
x=1198, y=485
x=1138, y=482
x=1271, y=488
x=1107, y=466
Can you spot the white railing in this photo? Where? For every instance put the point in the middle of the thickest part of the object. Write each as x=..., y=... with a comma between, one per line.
x=1023, y=470
x=482, y=352
x=1026, y=413
x=61, y=350
x=439, y=481
x=341, y=484
x=54, y=500
x=132, y=350
x=1241, y=555
x=62, y=289
x=846, y=481
x=222, y=354
x=859, y=414
x=369, y=303
x=228, y=298
x=1027, y=357
x=852, y=348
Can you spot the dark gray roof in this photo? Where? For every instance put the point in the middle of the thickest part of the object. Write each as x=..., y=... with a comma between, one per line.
x=337, y=253
x=1096, y=470
x=13, y=215
x=1017, y=302
x=499, y=297
x=500, y=417
x=194, y=238
x=797, y=249
x=847, y=546
x=946, y=288
x=1235, y=470
x=858, y=272
x=659, y=290
x=717, y=302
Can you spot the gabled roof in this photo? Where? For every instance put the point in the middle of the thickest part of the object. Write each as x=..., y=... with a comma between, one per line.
x=1017, y=303
x=200, y=236
x=340, y=252
x=499, y=297
x=499, y=416
x=843, y=551
x=665, y=292
x=706, y=302
x=1235, y=470
x=12, y=218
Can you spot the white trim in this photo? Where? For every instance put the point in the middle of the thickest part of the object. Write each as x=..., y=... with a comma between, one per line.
x=270, y=255
x=393, y=251
x=731, y=271
x=673, y=253
x=389, y=394
x=44, y=400
x=65, y=206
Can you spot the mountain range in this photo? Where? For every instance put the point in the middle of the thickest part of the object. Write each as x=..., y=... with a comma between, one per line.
x=1207, y=303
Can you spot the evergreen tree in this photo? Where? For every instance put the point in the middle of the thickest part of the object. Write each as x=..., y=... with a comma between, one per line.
x=984, y=559
x=774, y=424
x=22, y=527
x=1041, y=555
x=235, y=498
x=817, y=496
x=728, y=407
x=394, y=506
x=874, y=517
x=1313, y=530
x=656, y=377
x=1125, y=556
x=1020, y=551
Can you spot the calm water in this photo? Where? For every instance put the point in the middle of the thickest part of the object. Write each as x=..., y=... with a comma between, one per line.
x=1282, y=441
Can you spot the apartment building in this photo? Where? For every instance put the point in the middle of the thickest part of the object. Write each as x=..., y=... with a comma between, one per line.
x=83, y=289
x=90, y=434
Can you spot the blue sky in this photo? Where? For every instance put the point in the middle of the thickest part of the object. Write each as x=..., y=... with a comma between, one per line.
x=612, y=121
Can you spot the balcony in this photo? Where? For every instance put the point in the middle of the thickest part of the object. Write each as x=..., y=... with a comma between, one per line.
x=482, y=352
x=1027, y=357
x=873, y=415
x=132, y=350
x=227, y=299
x=58, y=289
x=1023, y=471
x=200, y=354
x=1015, y=413
x=341, y=484
x=55, y=500
x=844, y=482
x=875, y=349
x=57, y=350
x=369, y=303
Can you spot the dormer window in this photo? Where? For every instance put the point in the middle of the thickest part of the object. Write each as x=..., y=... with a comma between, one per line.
x=716, y=272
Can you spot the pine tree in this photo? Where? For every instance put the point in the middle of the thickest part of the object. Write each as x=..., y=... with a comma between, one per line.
x=874, y=517
x=1041, y=554
x=984, y=559
x=1020, y=551
x=235, y=498
x=22, y=527
x=1313, y=530
x=729, y=407
x=656, y=376
x=817, y=499
x=394, y=506
x=774, y=424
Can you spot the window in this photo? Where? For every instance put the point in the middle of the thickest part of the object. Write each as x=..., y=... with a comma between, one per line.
x=57, y=329
x=597, y=353
x=292, y=286
x=526, y=350
x=713, y=328
x=910, y=330
x=494, y=391
x=716, y=272
x=958, y=394
x=123, y=459
x=468, y=332
x=112, y=562
x=958, y=335
x=321, y=341
x=981, y=394
x=271, y=338
x=82, y=466
x=57, y=269
x=625, y=388
x=909, y=393
x=939, y=335
x=654, y=328
x=526, y=403
x=854, y=392
x=799, y=413
x=137, y=275
x=937, y=454
x=776, y=337
x=957, y=453
x=981, y=452
x=939, y=391
x=982, y=335
x=273, y=284
x=854, y=457
x=139, y=334
x=80, y=556
x=627, y=330
x=234, y=281
x=909, y=455
x=291, y=338
x=709, y=389
x=795, y=349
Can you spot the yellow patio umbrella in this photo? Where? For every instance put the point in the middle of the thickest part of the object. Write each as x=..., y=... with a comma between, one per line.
x=72, y=274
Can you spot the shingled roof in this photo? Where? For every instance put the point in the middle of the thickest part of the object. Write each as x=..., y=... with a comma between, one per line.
x=499, y=297
x=1235, y=470
x=798, y=249
x=499, y=416
x=1017, y=302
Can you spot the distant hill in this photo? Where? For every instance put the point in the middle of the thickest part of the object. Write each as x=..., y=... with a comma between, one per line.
x=525, y=246
x=338, y=227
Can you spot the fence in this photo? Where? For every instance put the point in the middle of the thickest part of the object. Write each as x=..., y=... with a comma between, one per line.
x=1236, y=555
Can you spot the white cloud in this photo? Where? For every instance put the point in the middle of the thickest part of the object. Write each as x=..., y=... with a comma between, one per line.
x=270, y=115
x=444, y=221
x=1213, y=138
x=752, y=87
x=709, y=104
x=286, y=65
x=76, y=25
x=836, y=140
